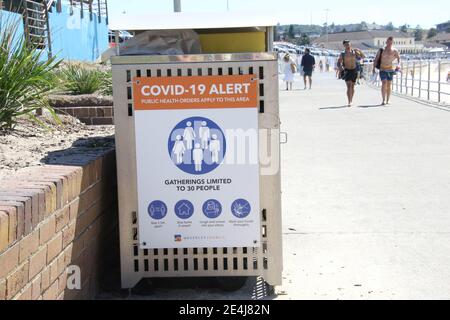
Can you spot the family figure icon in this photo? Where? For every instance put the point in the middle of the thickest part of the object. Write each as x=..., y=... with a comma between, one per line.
x=198, y=143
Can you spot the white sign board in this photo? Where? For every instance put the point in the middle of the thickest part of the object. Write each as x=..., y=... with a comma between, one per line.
x=197, y=161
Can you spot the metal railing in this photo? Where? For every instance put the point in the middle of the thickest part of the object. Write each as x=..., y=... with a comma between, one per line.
x=423, y=79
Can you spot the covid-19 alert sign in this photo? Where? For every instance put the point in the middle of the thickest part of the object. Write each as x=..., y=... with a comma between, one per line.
x=197, y=161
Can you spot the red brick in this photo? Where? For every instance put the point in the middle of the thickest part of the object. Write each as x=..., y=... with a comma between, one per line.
x=9, y=260
x=52, y=292
x=20, y=213
x=12, y=218
x=102, y=121
x=69, y=234
x=28, y=246
x=2, y=289
x=16, y=281
x=62, y=218
x=36, y=288
x=62, y=282
x=77, y=247
x=81, y=112
x=108, y=111
x=28, y=186
x=88, y=197
x=18, y=201
x=47, y=230
x=92, y=112
x=88, y=217
x=78, y=180
x=74, y=206
x=54, y=274
x=50, y=201
x=4, y=231
x=25, y=294
x=31, y=196
x=61, y=263
x=45, y=279
x=54, y=247
x=38, y=262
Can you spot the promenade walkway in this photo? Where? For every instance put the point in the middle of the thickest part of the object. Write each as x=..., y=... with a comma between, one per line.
x=366, y=196
x=366, y=200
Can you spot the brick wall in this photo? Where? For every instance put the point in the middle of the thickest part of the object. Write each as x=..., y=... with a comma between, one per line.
x=90, y=115
x=89, y=109
x=53, y=217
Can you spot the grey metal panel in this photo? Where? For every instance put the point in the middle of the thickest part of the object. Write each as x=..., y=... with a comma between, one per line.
x=137, y=263
x=199, y=58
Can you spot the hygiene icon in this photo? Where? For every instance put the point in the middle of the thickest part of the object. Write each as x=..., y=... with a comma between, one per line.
x=241, y=208
x=212, y=209
x=197, y=145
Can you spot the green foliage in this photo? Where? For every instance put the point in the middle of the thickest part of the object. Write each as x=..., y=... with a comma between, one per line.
x=390, y=27
x=305, y=40
x=431, y=33
x=418, y=33
x=25, y=77
x=291, y=32
x=106, y=87
x=79, y=78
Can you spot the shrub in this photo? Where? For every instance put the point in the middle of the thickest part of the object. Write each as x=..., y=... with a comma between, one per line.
x=106, y=87
x=25, y=76
x=80, y=80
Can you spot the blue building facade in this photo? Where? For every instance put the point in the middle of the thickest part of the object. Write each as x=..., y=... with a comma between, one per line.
x=67, y=29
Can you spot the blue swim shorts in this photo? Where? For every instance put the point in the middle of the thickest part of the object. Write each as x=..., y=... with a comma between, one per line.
x=387, y=75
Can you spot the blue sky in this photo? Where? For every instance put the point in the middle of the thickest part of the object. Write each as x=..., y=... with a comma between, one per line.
x=412, y=12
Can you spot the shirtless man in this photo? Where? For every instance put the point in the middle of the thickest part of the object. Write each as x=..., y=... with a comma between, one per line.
x=387, y=70
x=347, y=64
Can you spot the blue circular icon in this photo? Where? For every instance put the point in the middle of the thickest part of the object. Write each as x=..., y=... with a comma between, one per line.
x=212, y=209
x=197, y=145
x=241, y=208
x=157, y=210
x=184, y=209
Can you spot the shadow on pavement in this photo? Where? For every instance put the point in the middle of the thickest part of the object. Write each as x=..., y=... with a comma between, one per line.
x=372, y=106
x=334, y=108
x=253, y=288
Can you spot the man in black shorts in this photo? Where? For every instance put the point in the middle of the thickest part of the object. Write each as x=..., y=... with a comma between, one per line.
x=308, y=64
x=348, y=67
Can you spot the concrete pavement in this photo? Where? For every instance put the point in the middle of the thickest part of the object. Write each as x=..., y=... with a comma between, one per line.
x=366, y=202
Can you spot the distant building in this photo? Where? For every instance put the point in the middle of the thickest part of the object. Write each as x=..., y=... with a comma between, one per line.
x=68, y=29
x=442, y=38
x=443, y=27
x=370, y=40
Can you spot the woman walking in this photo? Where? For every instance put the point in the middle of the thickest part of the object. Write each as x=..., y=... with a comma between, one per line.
x=289, y=70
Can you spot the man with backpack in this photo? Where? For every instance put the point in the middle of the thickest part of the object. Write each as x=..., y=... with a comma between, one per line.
x=348, y=66
x=384, y=62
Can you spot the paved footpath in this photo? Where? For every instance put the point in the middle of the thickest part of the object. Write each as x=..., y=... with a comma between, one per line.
x=366, y=199
x=366, y=196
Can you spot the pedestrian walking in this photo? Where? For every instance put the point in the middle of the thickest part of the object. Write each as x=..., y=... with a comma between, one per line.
x=348, y=68
x=289, y=70
x=384, y=61
x=308, y=64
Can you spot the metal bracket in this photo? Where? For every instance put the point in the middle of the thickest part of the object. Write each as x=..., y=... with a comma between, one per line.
x=285, y=136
